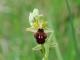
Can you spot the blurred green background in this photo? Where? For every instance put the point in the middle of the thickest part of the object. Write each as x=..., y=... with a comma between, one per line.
x=16, y=43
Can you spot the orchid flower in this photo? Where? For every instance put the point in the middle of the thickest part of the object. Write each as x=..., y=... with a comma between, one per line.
x=39, y=26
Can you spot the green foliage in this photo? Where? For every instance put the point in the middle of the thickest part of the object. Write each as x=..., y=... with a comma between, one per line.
x=17, y=44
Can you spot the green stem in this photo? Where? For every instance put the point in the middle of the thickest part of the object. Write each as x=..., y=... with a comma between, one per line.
x=58, y=52
x=68, y=7
x=71, y=21
x=43, y=49
x=57, y=49
x=71, y=28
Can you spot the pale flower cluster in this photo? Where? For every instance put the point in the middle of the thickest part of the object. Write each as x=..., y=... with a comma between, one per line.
x=33, y=14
